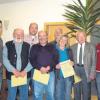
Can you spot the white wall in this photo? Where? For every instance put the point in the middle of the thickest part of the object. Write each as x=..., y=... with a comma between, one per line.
x=21, y=14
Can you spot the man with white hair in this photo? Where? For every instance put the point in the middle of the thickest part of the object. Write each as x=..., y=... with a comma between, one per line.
x=84, y=57
x=15, y=59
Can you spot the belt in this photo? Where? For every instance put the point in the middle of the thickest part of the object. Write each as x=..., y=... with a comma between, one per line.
x=80, y=65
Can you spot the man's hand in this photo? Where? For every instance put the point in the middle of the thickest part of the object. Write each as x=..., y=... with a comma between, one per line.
x=23, y=73
x=48, y=68
x=58, y=66
x=92, y=77
x=71, y=62
x=16, y=73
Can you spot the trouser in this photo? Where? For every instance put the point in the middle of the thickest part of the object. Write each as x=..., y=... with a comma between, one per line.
x=82, y=90
x=63, y=88
x=12, y=91
x=40, y=89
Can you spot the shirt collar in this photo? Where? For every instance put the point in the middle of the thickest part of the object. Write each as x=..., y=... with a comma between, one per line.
x=43, y=46
x=33, y=36
x=83, y=44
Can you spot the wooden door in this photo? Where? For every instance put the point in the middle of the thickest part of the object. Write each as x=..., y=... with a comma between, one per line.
x=50, y=27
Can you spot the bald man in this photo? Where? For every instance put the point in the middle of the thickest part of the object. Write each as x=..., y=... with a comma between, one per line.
x=84, y=56
x=32, y=37
x=57, y=34
x=15, y=59
x=44, y=57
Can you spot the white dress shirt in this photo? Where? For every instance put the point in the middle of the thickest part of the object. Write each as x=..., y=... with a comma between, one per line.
x=31, y=39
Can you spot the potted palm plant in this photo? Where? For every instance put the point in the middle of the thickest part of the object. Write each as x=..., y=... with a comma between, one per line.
x=83, y=17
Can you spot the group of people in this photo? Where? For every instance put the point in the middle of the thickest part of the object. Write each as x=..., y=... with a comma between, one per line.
x=24, y=54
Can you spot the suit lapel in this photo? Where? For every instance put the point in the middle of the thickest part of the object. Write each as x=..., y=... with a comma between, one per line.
x=85, y=50
x=76, y=52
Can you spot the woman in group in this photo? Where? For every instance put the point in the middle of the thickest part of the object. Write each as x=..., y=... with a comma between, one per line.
x=63, y=85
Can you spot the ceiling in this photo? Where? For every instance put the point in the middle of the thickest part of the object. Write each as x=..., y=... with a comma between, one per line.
x=8, y=1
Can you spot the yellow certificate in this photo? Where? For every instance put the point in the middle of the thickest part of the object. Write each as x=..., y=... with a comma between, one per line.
x=18, y=81
x=67, y=69
x=77, y=79
x=39, y=77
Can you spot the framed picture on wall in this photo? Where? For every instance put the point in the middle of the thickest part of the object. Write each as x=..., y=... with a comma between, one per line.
x=50, y=28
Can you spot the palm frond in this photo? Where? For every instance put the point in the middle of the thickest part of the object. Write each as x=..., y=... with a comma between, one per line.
x=93, y=4
x=80, y=3
x=83, y=17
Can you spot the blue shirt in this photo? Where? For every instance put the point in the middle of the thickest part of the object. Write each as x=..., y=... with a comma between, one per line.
x=63, y=56
x=9, y=67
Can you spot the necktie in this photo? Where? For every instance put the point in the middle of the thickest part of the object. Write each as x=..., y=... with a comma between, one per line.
x=32, y=42
x=80, y=55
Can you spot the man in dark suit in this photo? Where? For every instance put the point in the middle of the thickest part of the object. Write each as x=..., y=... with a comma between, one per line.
x=84, y=56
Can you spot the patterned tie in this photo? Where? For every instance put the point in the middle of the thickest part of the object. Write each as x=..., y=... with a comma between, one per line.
x=80, y=55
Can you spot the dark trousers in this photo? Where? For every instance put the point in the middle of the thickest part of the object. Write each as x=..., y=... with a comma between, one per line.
x=82, y=90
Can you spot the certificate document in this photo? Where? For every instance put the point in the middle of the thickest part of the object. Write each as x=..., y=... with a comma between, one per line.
x=42, y=78
x=77, y=79
x=67, y=68
x=18, y=81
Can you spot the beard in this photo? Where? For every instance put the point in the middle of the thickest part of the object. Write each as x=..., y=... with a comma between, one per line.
x=18, y=40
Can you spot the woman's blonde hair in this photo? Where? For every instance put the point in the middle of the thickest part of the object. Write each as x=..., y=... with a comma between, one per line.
x=66, y=36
